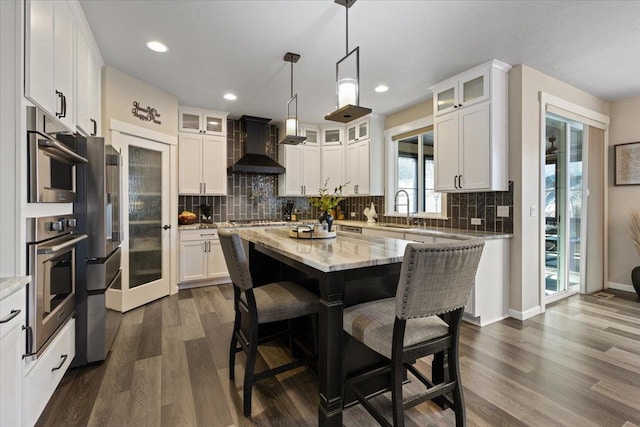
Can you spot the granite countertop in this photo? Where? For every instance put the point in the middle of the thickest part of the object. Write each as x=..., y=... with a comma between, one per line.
x=346, y=251
x=429, y=231
x=10, y=285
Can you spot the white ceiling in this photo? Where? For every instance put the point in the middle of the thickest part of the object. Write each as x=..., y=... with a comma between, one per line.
x=237, y=46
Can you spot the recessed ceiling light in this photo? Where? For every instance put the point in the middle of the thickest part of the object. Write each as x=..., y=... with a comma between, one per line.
x=157, y=46
x=381, y=88
x=230, y=97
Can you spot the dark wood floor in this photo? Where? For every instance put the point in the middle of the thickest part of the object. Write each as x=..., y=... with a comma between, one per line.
x=576, y=365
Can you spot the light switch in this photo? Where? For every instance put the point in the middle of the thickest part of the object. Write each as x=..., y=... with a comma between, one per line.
x=503, y=211
x=533, y=211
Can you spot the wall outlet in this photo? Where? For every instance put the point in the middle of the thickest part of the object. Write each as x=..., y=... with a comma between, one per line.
x=352, y=214
x=476, y=221
x=502, y=211
x=533, y=210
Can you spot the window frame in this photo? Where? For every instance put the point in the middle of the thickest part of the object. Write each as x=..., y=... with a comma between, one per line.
x=391, y=160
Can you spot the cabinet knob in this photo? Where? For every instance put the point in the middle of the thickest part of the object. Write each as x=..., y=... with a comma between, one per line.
x=455, y=106
x=166, y=227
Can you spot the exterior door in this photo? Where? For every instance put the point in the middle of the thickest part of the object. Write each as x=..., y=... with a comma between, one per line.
x=146, y=249
x=565, y=173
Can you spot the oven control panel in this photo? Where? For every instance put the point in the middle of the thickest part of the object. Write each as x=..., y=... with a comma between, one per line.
x=44, y=228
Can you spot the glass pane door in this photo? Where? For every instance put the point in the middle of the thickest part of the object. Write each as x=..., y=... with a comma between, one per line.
x=145, y=216
x=563, y=206
x=146, y=251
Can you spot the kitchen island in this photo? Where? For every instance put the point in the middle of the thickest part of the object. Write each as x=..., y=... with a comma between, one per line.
x=346, y=270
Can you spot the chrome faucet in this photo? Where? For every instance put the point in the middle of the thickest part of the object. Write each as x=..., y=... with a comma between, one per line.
x=395, y=202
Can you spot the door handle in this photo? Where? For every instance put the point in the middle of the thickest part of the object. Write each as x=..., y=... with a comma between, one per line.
x=460, y=181
x=95, y=127
x=455, y=182
x=64, y=359
x=166, y=227
x=59, y=95
x=12, y=314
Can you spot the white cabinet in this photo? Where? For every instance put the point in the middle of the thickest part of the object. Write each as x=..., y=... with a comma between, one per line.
x=357, y=168
x=312, y=133
x=462, y=91
x=332, y=135
x=489, y=299
x=202, y=164
x=364, y=160
x=470, y=130
x=201, y=257
x=358, y=131
x=88, y=87
x=45, y=373
x=302, y=164
x=12, y=345
x=207, y=122
x=332, y=164
x=49, y=58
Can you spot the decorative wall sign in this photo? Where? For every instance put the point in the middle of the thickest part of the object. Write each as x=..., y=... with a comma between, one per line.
x=145, y=114
x=627, y=164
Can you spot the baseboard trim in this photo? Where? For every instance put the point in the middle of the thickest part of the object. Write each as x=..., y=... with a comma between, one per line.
x=524, y=315
x=620, y=287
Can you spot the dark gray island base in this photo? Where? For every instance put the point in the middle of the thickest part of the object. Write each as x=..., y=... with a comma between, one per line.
x=347, y=270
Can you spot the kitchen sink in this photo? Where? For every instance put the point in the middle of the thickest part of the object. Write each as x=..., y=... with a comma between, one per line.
x=396, y=225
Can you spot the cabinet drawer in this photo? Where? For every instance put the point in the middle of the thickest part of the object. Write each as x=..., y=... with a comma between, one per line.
x=17, y=301
x=205, y=234
x=44, y=377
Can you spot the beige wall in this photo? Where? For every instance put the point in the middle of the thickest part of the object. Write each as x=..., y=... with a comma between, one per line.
x=525, y=85
x=409, y=114
x=625, y=127
x=120, y=90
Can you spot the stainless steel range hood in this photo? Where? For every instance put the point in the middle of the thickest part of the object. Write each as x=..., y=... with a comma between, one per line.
x=255, y=159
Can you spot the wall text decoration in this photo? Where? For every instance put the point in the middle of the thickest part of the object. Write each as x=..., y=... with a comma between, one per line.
x=148, y=114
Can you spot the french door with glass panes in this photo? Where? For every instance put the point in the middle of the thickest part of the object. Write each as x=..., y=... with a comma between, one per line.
x=565, y=202
x=146, y=248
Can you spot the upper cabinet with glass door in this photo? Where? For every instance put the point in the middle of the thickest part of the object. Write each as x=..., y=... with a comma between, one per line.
x=312, y=134
x=463, y=90
x=332, y=135
x=358, y=131
x=196, y=120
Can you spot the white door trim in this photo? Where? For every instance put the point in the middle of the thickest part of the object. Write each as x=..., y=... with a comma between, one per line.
x=592, y=118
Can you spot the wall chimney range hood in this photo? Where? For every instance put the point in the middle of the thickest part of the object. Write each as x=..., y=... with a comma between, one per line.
x=255, y=159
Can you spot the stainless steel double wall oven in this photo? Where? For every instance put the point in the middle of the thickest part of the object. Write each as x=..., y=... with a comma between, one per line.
x=52, y=243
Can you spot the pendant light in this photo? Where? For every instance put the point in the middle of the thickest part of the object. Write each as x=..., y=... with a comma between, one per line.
x=291, y=125
x=348, y=86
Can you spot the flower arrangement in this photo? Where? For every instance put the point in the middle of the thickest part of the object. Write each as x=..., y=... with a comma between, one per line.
x=634, y=227
x=326, y=201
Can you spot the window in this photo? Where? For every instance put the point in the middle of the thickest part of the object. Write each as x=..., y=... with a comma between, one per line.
x=413, y=165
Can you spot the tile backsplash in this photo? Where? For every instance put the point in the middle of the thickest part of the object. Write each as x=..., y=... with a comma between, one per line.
x=254, y=197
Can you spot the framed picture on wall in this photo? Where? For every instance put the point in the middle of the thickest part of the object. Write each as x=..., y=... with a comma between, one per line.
x=627, y=163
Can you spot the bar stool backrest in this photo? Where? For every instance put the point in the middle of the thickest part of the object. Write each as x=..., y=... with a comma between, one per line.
x=436, y=278
x=236, y=259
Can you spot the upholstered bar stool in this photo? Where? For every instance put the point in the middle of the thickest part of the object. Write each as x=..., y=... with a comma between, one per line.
x=423, y=319
x=255, y=306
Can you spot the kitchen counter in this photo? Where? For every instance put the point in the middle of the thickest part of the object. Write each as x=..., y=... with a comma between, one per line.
x=345, y=251
x=429, y=231
x=10, y=285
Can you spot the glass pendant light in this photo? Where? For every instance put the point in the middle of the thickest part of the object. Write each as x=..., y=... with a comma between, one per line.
x=291, y=125
x=348, y=83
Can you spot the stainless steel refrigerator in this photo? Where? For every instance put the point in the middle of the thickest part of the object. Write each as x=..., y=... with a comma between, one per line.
x=99, y=215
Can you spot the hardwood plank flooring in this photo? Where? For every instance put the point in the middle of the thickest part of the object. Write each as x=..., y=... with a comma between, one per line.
x=577, y=364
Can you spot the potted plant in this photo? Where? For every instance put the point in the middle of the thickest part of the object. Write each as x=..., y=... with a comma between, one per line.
x=327, y=201
x=634, y=227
